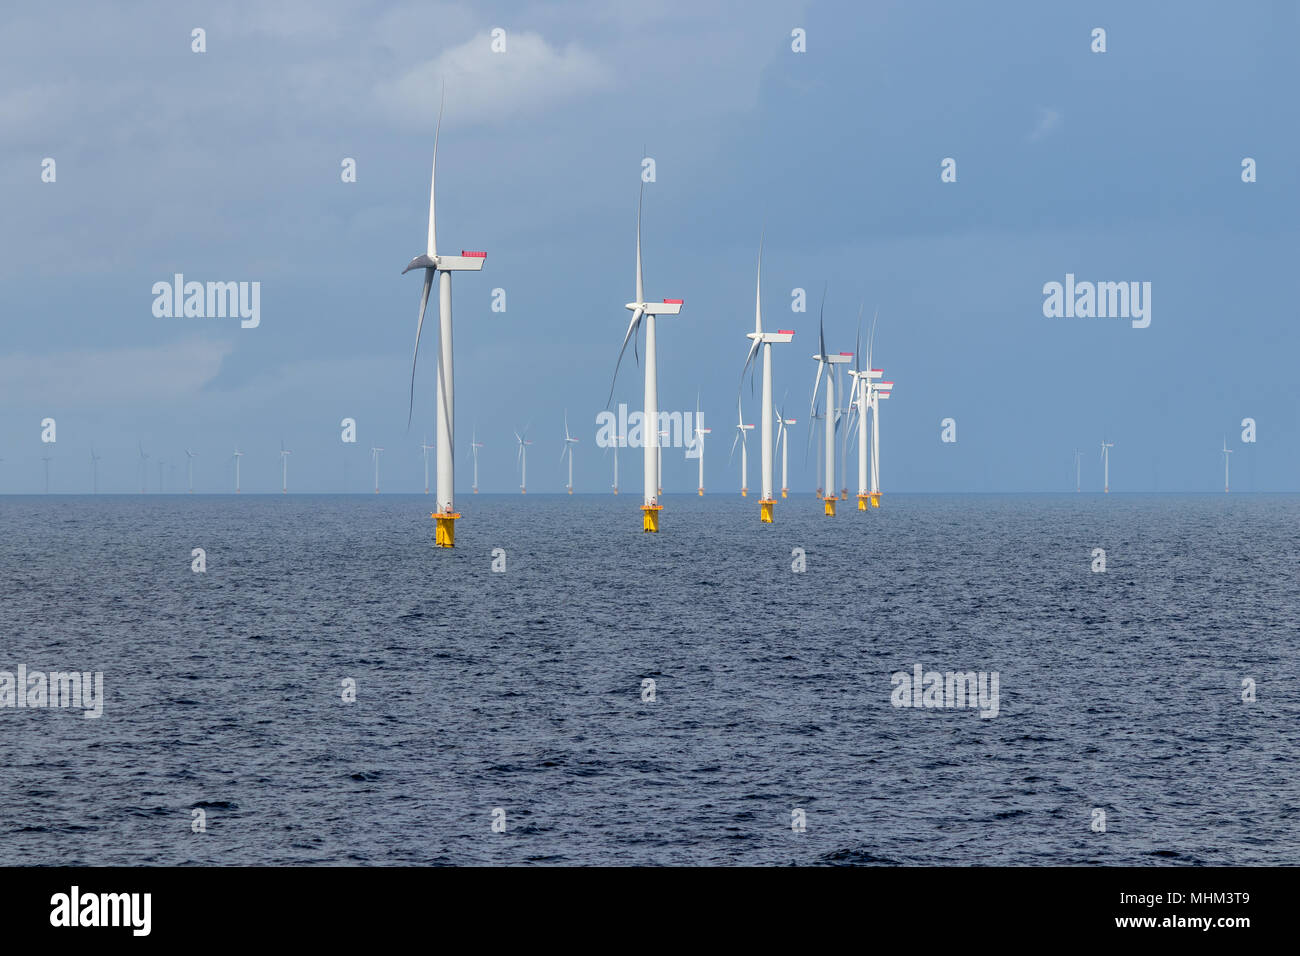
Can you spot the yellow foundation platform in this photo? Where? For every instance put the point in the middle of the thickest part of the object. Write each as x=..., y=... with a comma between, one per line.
x=744, y=492
x=863, y=501
x=785, y=492
x=701, y=492
x=445, y=535
x=765, y=510
x=650, y=517
x=830, y=506
x=875, y=501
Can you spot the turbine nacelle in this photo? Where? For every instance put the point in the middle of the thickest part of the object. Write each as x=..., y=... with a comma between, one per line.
x=465, y=262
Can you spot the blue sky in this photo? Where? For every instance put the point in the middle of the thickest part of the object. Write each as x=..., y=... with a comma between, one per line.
x=225, y=165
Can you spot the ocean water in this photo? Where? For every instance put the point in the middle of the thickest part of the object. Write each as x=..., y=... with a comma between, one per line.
x=522, y=690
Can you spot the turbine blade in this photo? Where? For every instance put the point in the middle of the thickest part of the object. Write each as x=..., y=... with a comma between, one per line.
x=433, y=179
x=424, y=302
x=631, y=327
x=758, y=286
x=640, y=287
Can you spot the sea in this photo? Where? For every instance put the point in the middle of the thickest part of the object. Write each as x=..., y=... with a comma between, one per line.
x=564, y=689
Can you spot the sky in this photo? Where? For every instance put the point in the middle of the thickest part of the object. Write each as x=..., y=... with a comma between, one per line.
x=226, y=165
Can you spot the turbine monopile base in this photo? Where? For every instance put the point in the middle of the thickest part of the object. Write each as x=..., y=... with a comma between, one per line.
x=830, y=506
x=765, y=510
x=863, y=501
x=875, y=500
x=650, y=517
x=445, y=535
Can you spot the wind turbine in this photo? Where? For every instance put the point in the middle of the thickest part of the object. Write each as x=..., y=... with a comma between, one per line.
x=425, y=446
x=1226, y=452
x=700, y=432
x=569, y=442
x=189, y=455
x=522, y=458
x=47, y=459
x=374, y=453
x=618, y=439
x=783, y=446
x=860, y=405
x=94, y=471
x=474, y=445
x=1105, y=457
x=284, y=469
x=144, y=468
x=238, y=455
x=443, y=266
x=1077, y=458
x=742, y=436
x=641, y=309
x=764, y=339
x=824, y=361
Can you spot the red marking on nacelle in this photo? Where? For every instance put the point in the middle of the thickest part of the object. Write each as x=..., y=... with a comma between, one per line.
x=473, y=255
x=785, y=331
x=850, y=354
x=674, y=301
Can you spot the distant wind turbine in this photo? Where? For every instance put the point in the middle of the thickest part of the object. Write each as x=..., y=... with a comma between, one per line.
x=284, y=468
x=474, y=445
x=700, y=432
x=425, y=446
x=569, y=442
x=1077, y=483
x=1105, y=458
x=767, y=501
x=94, y=471
x=238, y=455
x=190, y=456
x=374, y=453
x=643, y=310
x=144, y=468
x=825, y=360
x=522, y=459
x=443, y=266
x=1226, y=452
x=742, y=436
x=783, y=446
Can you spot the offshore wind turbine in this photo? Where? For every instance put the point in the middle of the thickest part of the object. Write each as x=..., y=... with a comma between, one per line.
x=618, y=439
x=646, y=311
x=522, y=458
x=1105, y=458
x=237, y=455
x=825, y=360
x=567, y=448
x=144, y=468
x=783, y=446
x=374, y=453
x=764, y=339
x=443, y=266
x=189, y=456
x=859, y=407
x=94, y=471
x=1077, y=485
x=474, y=445
x=284, y=469
x=700, y=432
x=1226, y=452
x=425, y=446
x=742, y=436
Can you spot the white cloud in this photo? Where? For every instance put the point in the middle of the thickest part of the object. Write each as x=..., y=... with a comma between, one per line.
x=1049, y=120
x=485, y=86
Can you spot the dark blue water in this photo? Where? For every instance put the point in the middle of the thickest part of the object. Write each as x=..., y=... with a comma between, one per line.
x=522, y=690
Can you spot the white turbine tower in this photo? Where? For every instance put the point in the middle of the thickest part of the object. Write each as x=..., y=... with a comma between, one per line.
x=474, y=445
x=767, y=502
x=879, y=392
x=1077, y=458
x=569, y=442
x=522, y=459
x=1105, y=458
x=431, y=262
x=374, y=453
x=641, y=309
x=783, y=446
x=700, y=432
x=618, y=440
x=189, y=460
x=1226, y=452
x=860, y=406
x=237, y=455
x=284, y=469
x=144, y=468
x=742, y=436
x=94, y=471
x=424, y=447
x=826, y=360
